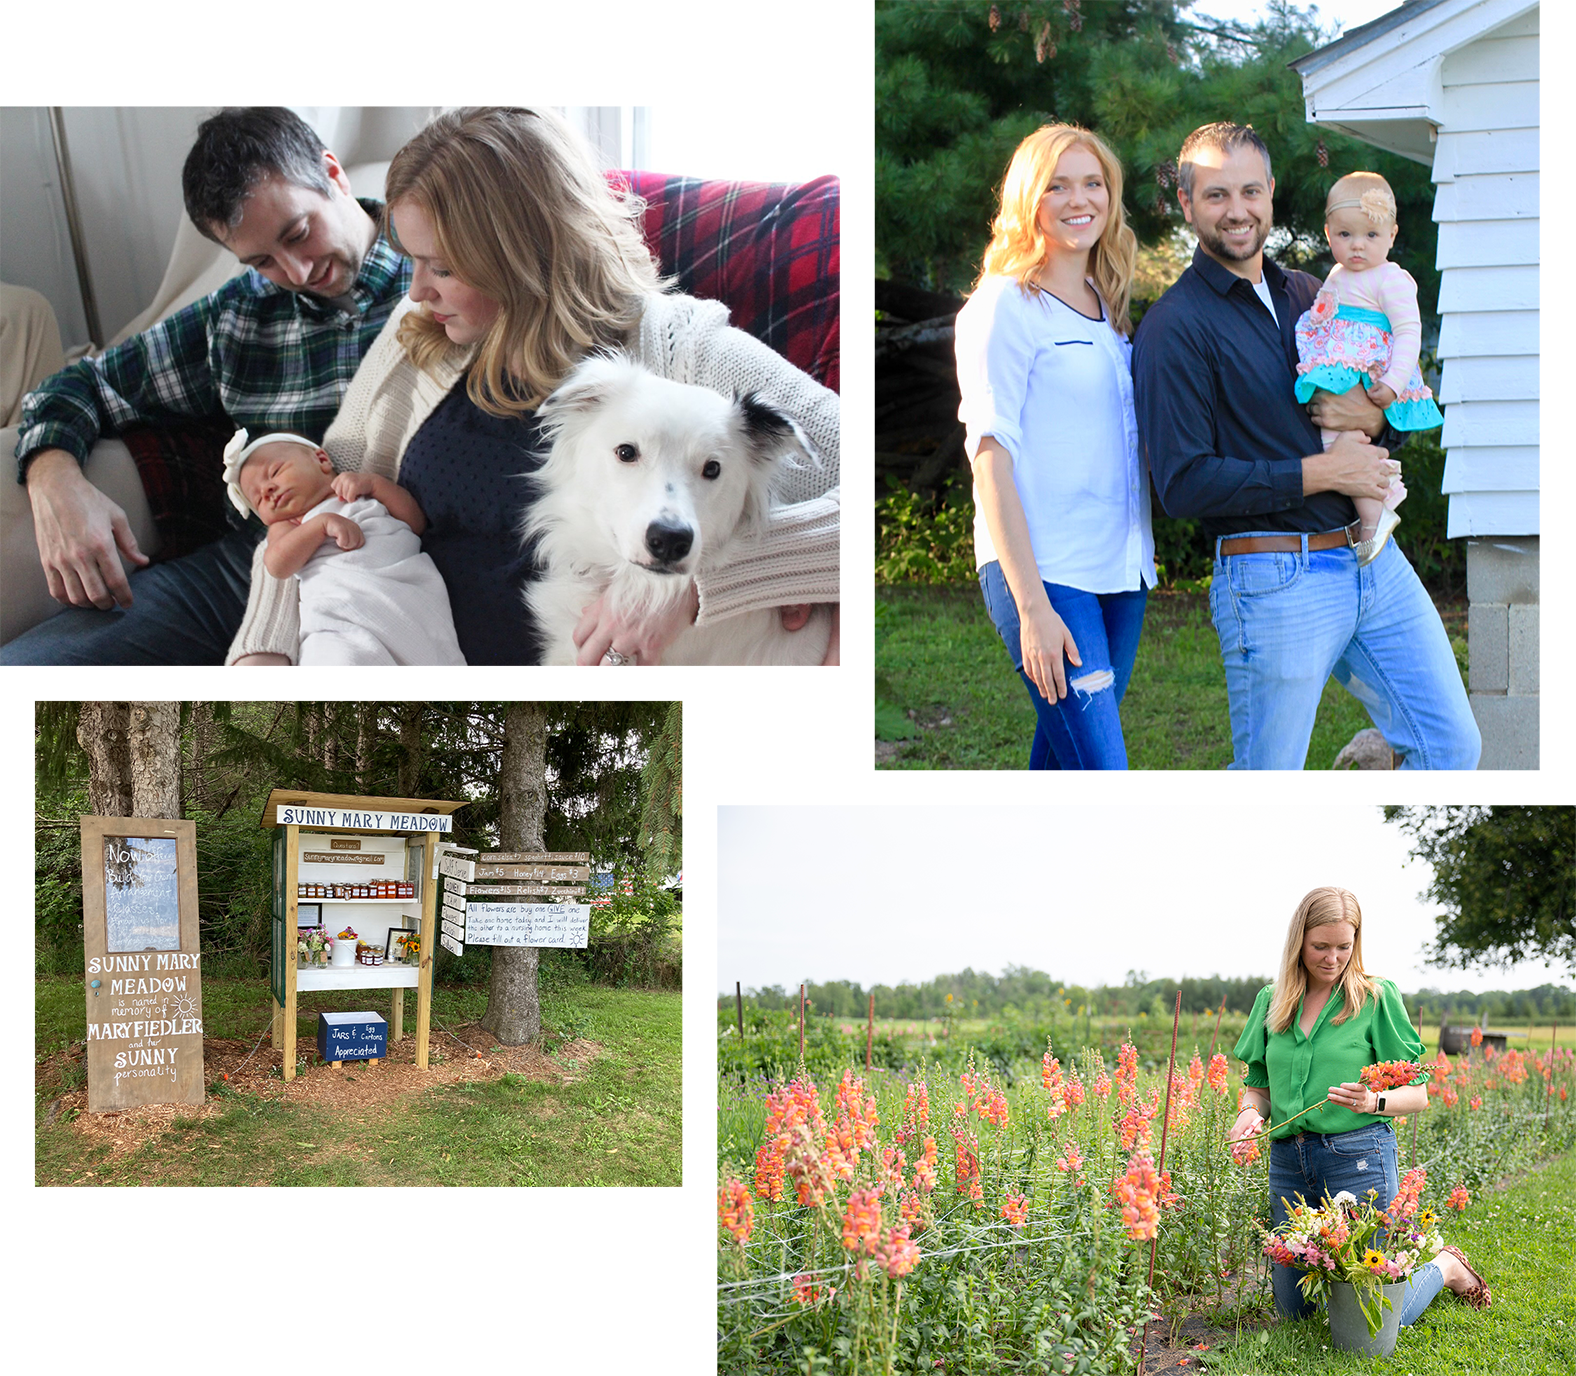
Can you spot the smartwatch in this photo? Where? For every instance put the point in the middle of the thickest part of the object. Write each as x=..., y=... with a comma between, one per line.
x=1380, y=1108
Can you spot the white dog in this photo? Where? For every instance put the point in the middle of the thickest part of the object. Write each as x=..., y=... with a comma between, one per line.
x=649, y=482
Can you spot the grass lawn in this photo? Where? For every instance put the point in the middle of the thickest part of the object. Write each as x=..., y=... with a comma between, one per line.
x=599, y=1104
x=1520, y=1241
x=938, y=656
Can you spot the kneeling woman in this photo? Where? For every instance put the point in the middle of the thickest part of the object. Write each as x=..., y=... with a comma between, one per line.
x=1310, y=1034
x=1061, y=493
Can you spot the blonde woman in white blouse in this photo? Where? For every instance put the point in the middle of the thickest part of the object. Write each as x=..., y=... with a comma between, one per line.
x=1061, y=494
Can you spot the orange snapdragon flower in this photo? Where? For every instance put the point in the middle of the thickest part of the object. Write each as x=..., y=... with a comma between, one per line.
x=735, y=1211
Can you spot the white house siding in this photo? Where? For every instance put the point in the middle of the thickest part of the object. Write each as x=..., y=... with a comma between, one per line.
x=1505, y=166
x=1486, y=205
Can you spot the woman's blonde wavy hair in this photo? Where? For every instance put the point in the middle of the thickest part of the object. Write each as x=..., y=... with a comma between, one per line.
x=522, y=214
x=1319, y=909
x=1017, y=246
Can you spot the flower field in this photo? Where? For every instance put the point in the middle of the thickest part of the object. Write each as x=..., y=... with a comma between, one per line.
x=956, y=1217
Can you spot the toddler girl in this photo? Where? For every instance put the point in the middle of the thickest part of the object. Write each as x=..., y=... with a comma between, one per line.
x=1364, y=324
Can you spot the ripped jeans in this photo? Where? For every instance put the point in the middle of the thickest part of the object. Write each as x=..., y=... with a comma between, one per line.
x=1084, y=729
x=1319, y=1166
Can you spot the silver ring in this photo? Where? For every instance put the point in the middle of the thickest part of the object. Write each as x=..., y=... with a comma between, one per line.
x=615, y=657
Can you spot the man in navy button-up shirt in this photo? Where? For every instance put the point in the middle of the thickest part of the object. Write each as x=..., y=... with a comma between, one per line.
x=1214, y=364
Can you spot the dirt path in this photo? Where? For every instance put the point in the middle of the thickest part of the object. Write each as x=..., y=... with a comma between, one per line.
x=355, y=1089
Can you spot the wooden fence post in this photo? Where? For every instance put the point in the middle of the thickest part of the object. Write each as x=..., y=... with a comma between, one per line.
x=870, y=1032
x=738, y=995
x=801, y=1024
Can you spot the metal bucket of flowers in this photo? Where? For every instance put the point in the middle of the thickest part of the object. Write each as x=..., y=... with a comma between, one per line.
x=1356, y=1259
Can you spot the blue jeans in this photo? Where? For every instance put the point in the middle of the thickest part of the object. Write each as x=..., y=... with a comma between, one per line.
x=1319, y=1167
x=1084, y=729
x=184, y=612
x=1290, y=622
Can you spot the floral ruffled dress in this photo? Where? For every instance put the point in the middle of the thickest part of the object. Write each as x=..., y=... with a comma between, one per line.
x=1339, y=344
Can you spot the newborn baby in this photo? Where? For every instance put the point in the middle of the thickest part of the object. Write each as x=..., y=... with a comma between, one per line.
x=368, y=593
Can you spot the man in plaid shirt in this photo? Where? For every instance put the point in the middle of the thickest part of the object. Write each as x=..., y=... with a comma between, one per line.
x=272, y=349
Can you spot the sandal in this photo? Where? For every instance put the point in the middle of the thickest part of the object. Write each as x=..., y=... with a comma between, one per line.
x=1479, y=1296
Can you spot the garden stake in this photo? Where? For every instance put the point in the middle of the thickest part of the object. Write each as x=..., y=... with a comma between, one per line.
x=870, y=1032
x=1165, y=1123
x=1554, y=1037
x=738, y=995
x=801, y=1024
x=1218, y=1016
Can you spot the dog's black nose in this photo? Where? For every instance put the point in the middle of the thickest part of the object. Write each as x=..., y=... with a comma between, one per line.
x=669, y=544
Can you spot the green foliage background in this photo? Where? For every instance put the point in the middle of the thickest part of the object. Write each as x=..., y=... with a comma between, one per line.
x=604, y=796
x=954, y=96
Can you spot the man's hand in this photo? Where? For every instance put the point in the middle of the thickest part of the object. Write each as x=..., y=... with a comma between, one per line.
x=348, y=486
x=81, y=534
x=1351, y=410
x=343, y=531
x=1351, y=465
x=599, y=631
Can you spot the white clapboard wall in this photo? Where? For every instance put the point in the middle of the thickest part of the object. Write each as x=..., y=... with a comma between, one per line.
x=1485, y=93
x=1505, y=169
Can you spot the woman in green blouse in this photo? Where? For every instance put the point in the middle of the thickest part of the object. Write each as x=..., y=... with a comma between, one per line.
x=1309, y=1036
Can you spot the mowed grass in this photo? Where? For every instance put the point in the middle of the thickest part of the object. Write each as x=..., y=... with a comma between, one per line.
x=939, y=657
x=614, y=1120
x=1520, y=1241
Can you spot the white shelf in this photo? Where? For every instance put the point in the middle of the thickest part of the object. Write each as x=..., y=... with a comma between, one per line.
x=358, y=900
x=385, y=976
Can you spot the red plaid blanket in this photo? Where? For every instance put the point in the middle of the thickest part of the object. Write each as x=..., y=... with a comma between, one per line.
x=768, y=250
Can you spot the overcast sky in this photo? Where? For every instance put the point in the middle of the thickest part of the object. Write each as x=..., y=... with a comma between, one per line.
x=884, y=895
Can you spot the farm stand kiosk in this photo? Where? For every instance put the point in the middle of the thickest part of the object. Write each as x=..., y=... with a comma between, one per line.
x=328, y=842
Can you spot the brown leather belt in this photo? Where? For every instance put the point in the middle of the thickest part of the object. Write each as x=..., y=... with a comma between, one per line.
x=1289, y=544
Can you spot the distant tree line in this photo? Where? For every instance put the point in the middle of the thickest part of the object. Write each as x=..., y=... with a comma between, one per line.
x=1033, y=996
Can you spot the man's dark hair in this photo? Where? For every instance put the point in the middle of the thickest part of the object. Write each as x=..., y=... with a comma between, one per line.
x=236, y=149
x=1225, y=137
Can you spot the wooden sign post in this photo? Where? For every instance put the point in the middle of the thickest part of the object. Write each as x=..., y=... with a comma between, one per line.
x=144, y=986
x=552, y=874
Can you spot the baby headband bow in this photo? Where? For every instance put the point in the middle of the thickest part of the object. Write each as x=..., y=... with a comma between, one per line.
x=1377, y=205
x=238, y=451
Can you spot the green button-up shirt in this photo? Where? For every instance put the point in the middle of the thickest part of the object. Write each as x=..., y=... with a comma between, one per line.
x=267, y=358
x=1299, y=1070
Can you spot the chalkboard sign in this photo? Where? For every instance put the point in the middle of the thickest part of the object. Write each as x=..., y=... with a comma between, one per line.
x=142, y=910
x=142, y=977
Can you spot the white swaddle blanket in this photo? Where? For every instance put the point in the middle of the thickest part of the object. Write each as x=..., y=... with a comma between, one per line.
x=384, y=603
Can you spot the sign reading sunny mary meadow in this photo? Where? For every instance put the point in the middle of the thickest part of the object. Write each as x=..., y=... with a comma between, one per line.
x=527, y=924
x=291, y=815
x=143, y=986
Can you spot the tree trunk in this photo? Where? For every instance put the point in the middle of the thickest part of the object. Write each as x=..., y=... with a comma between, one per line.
x=101, y=732
x=410, y=749
x=155, y=755
x=366, y=737
x=514, y=1014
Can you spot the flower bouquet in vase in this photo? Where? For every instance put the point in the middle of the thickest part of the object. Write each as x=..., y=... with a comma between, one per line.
x=1356, y=1259
x=409, y=947
x=316, y=949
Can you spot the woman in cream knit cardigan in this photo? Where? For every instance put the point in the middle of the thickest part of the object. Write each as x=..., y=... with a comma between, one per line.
x=516, y=277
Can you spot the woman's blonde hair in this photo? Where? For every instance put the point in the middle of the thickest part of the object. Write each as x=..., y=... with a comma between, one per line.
x=1319, y=909
x=1017, y=246
x=521, y=214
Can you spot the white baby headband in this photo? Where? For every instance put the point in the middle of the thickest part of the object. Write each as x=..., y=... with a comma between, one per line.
x=1378, y=205
x=238, y=451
